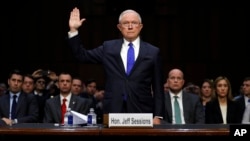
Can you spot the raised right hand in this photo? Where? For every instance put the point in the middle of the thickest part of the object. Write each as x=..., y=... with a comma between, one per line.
x=74, y=21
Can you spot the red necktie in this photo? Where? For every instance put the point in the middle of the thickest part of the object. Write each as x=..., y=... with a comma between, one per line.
x=63, y=109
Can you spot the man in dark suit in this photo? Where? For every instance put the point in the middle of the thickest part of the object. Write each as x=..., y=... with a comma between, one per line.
x=141, y=90
x=26, y=104
x=191, y=109
x=243, y=99
x=52, y=110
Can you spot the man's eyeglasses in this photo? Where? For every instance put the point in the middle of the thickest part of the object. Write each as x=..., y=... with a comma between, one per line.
x=130, y=24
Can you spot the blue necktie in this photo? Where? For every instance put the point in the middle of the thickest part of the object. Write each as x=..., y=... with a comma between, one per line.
x=130, y=58
x=177, y=111
x=13, y=108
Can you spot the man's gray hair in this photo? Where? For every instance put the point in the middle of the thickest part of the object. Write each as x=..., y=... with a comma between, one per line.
x=129, y=11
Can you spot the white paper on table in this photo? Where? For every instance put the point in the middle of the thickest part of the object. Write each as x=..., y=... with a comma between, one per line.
x=79, y=118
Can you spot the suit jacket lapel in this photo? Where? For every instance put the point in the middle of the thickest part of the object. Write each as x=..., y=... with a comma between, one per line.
x=7, y=102
x=186, y=105
x=72, y=102
x=58, y=106
x=169, y=106
x=117, y=52
x=142, y=52
x=19, y=102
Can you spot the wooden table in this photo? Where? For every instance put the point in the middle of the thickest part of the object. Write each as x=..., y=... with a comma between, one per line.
x=40, y=130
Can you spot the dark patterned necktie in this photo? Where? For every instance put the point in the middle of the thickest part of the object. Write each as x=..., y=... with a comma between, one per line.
x=13, y=108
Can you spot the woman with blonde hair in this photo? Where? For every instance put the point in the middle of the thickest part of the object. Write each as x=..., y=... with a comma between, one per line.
x=222, y=109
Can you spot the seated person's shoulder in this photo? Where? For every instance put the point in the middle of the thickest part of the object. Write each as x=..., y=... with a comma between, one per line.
x=192, y=95
x=28, y=96
x=87, y=101
x=83, y=99
x=51, y=99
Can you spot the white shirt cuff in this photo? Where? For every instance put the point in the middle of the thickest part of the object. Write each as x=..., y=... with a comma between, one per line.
x=72, y=34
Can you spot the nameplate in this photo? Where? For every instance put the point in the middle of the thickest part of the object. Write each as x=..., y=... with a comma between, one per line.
x=130, y=120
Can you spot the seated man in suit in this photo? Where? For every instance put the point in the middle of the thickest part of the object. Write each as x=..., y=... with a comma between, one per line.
x=190, y=108
x=26, y=106
x=242, y=100
x=246, y=115
x=53, y=113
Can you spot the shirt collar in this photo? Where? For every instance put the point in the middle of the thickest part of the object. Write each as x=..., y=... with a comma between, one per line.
x=136, y=42
x=67, y=97
x=178, y=94
x=17, y=94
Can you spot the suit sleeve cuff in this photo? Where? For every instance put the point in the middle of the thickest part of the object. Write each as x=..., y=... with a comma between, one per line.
x=158, y=117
